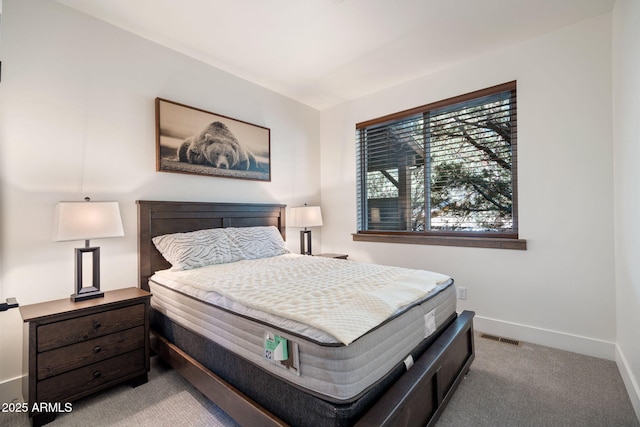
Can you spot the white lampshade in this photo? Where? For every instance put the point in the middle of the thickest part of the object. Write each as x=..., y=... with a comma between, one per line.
x=305, y=216
x=87, y=221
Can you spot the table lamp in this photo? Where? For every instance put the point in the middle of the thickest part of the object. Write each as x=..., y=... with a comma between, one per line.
x=84, y=221
x=305, y=216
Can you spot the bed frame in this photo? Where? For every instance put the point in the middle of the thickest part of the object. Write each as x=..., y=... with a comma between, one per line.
x=416, y=399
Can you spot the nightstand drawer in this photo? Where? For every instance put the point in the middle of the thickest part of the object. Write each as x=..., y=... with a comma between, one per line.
x=67, y=386
x=55, y=362
x=83, y=328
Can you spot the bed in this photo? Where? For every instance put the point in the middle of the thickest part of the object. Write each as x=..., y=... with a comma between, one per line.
x=413, y=388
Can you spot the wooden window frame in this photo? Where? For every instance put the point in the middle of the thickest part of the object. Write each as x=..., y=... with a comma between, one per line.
x=497, y=240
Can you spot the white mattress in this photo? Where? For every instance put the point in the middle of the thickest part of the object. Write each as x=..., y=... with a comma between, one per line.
x=319, y=363
x=343, y=299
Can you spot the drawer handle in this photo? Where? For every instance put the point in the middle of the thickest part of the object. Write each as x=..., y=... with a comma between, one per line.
x=96, y=325
x=96, y=374
x=97, y=349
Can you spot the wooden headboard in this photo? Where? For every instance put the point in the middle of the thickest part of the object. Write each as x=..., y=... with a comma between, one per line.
x=156, y=218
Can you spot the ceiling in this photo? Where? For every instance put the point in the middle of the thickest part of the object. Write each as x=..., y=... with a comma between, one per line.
x=325, y=52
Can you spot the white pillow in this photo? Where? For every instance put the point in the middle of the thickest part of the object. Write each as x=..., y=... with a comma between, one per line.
x=197, y=249
x=219, y=245
x=257, y=242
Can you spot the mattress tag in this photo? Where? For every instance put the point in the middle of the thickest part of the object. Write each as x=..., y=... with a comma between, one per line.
x=429, y=323
x=275, y=348
x=408, y=362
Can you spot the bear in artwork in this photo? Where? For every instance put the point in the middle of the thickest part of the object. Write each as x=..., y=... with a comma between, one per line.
x=216, y=146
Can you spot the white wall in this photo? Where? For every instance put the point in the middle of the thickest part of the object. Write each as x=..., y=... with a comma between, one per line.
x=626, y=131
x=77, y=118
x=561, y=290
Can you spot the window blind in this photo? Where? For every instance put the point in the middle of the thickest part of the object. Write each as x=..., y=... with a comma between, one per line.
x=447, y=167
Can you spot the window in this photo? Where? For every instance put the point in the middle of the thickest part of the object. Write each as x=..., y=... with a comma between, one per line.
x=444, y=173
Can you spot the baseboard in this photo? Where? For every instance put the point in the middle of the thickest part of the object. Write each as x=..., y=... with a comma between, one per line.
x=11, y=390
x=630, y=382
x=560, y=340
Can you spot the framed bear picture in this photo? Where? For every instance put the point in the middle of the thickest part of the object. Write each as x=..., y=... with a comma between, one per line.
x=194, y=141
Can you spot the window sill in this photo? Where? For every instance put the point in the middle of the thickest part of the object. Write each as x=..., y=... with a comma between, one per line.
x=467, y=242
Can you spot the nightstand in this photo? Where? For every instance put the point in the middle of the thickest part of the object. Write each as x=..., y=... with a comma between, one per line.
x=337, y=256
x=74, y=349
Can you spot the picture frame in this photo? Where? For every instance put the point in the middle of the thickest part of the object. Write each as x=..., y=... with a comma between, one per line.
x=194, y=141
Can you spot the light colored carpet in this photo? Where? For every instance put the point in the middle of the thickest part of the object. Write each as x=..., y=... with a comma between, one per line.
x=536, y=386
x=507, y=386
x=166, y=400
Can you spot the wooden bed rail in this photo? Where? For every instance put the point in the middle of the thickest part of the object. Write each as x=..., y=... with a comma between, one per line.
x=237, y=405
x=419, y=397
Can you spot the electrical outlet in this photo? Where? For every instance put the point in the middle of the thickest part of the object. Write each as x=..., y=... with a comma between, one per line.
x=462, y=293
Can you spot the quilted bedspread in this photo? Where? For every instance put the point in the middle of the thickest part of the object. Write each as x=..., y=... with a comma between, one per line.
x=343, y=298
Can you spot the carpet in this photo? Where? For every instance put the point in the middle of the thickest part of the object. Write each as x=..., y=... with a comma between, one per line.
x=508, y=386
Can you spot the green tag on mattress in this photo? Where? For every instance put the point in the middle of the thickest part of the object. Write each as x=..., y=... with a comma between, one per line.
x=276, y=348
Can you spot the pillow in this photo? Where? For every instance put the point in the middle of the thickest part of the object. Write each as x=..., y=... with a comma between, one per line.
x=219, y=245
x=197, y=249
x=257, y=242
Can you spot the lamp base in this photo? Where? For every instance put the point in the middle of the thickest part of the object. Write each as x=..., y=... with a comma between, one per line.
x=305, y=242
x=92, y=291
x=85, y=293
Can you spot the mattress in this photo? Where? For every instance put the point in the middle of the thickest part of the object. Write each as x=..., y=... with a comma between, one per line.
x=316, y=361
